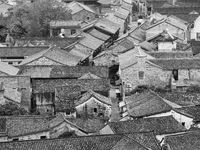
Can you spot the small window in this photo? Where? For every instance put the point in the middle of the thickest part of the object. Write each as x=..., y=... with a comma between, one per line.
x=10, y=63
x=141, y=74
x=183, y=124
x=95, y=110
x=88, y=18
x=198, y=36
x=73, y=31
x=43, y=137
x=15, y=139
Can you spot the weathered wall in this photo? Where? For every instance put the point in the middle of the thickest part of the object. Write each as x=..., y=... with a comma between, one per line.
x=87, y=108
x=153, y=76
x=33, y=136
x=22, y=84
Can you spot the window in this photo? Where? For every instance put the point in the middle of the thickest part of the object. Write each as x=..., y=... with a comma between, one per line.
x=88, y=18
x=10, y=63
x=175, y=74
x=73, y=31
x=198, y=36
x=141, y=75
x=43, y=137
x=183, y=124
x=15, y=139
x=95, y=110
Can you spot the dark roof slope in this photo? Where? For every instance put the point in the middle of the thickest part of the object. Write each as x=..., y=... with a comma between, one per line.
x=186, y=141
x=20, y=51
x=100, y=142
x=62, y=71
x=59, y=42
x=190, y=18
x=173, y=54
x=78, y=71
x=48, y=85
x=22, y=125
x=146, y=103
x=160, y=125
x=181, y=63
x=176, y=10
x=182, y=99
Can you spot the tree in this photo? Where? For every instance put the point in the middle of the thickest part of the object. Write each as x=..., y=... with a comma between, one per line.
x=33, y=19
x=11, y=109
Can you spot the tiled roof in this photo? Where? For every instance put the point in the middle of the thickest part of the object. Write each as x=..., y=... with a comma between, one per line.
x=76, y=7
x=179, y=63
x=86, y=84
x=65, y=24
x=122, y=13
x=159, y=125
x=146, y=103
x=90, y=41
x=55, y=54
x=188, y=3
x=62, y=71
x=94, y=32
x=78, y=71
x=107, y=25
x=182, y=99
x=147, y=46
x=86, y=96
x=171, y=55
x=123, y=46
x=146, y=139
x=88, y=125
x=60, y=42
x=97, y=142
x=138, y=34
x=192, y=112
x=129, y=58
x=8, y=69
x=80, y=53
x=163, y=36
x=185, y=141
x=20, y=51
x=22, y=125
x=178, y=10
x=190, y=18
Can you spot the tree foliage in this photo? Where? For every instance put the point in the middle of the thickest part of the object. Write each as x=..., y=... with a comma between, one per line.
x=32, y=19
x=11, y=109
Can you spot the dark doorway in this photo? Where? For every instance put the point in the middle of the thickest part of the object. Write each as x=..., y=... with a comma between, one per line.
x=175, y=74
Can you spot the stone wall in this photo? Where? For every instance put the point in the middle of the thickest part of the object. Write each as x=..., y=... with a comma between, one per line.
x=43, y=61
x=84, y=16
x=153, y=76
x=22, y=84
x=88, y=109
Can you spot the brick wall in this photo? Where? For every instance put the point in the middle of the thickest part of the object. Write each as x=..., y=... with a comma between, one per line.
x=152, y=75
x=87, y=109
